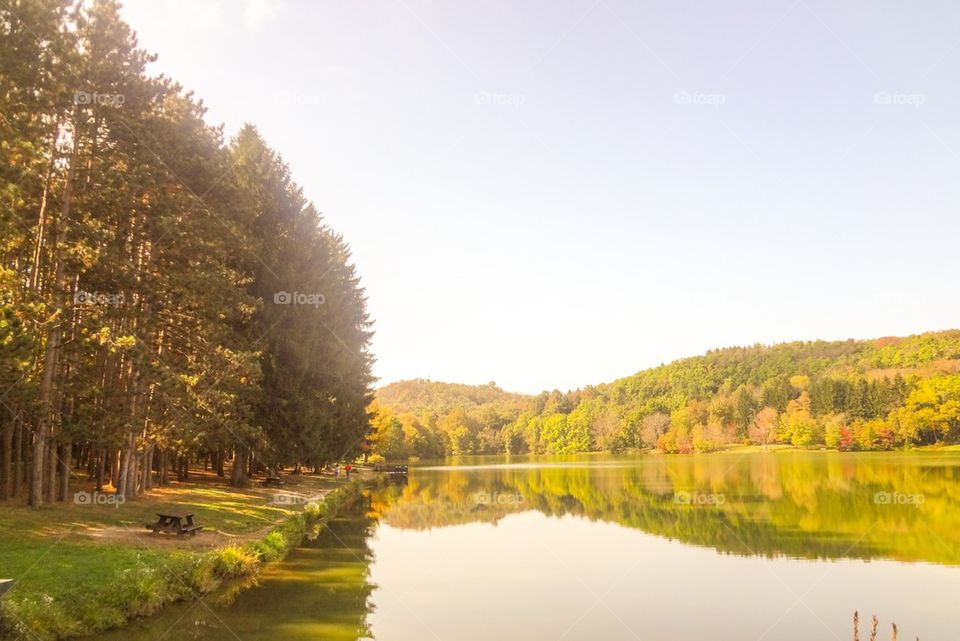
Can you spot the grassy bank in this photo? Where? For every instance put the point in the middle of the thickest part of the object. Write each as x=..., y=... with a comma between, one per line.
x=84, y=567
x=740, y=448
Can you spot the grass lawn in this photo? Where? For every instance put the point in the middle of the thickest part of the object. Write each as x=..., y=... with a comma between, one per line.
x=81, y=566
x=955, y=447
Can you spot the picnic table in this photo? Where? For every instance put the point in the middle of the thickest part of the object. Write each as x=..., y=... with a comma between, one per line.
x=5, y=584
x=176, y=523
x=273, y=480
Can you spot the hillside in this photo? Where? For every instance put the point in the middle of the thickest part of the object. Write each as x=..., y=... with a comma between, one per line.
x=420, y=395
x=854, y=394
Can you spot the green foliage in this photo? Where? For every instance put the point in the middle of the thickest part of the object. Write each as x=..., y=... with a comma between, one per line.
x=834, y=428
x=234, y=561
x=803, y=394
x=931, y=411
x=160, y=288
x=419, y=395
x=797, y=425
x=428, y=419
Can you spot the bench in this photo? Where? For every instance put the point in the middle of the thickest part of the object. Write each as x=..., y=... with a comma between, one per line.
x=398, y=473
x=180, y=524
x=5, y=584
x=274, y=481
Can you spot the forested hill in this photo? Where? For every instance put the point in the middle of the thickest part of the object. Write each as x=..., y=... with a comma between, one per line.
x=420, y=395
x=866, y=394
x=763, y=366
x=430, y=419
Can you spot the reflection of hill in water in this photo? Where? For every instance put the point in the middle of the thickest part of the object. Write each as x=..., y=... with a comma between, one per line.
x=803, y=505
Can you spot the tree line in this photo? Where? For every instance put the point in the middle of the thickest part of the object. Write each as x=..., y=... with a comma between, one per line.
x=166, y=296
x=847, y=395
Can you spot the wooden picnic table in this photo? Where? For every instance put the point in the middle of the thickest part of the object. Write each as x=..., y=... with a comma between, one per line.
x=5, y=584
x=180, y=523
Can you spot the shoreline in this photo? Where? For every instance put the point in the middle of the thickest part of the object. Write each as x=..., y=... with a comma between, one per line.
x=165, y=576
x=737, y=448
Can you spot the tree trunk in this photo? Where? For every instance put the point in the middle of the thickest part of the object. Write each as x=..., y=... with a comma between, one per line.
x=87, y=461
x=133, y=477
x=147, y=481
x=114, y=467
x=101, y=467
x=164, y=467
x=6, y=468
x=43, y=423
x=18, y=465
x=66, y=453
x=52, y=344
x=42, y=217
x=121, y=483
x=51, y=471
x=127, y=454
x=239, y=473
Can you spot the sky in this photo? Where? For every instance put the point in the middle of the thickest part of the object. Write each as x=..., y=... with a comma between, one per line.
x=557, y=194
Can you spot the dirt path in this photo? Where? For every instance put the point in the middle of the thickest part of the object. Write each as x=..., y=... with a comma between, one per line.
x=206, y=539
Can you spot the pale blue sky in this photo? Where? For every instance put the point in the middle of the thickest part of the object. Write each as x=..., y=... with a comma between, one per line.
x=554, y=194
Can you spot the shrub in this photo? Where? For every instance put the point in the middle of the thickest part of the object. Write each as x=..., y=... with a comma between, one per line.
x=233, y=561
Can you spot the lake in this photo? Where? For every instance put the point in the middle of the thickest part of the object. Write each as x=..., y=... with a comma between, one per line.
x=726, y=547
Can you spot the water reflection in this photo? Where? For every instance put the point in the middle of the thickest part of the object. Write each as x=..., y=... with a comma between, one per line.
x=619, y=549
x=902, y=506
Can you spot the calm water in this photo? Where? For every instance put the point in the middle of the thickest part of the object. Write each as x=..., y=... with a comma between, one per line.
x=721, y=547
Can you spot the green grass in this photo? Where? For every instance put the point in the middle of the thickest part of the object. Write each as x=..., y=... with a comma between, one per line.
x=955, y=447
x=234, y=511
x=83, y=568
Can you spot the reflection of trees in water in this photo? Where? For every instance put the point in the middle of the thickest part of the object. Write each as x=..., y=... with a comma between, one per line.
x=320, y=591
x=800, y=504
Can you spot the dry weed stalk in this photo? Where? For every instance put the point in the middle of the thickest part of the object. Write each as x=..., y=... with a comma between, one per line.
x=874, y=628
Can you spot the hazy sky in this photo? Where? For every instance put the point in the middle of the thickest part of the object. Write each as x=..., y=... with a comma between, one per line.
x=558, y=193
